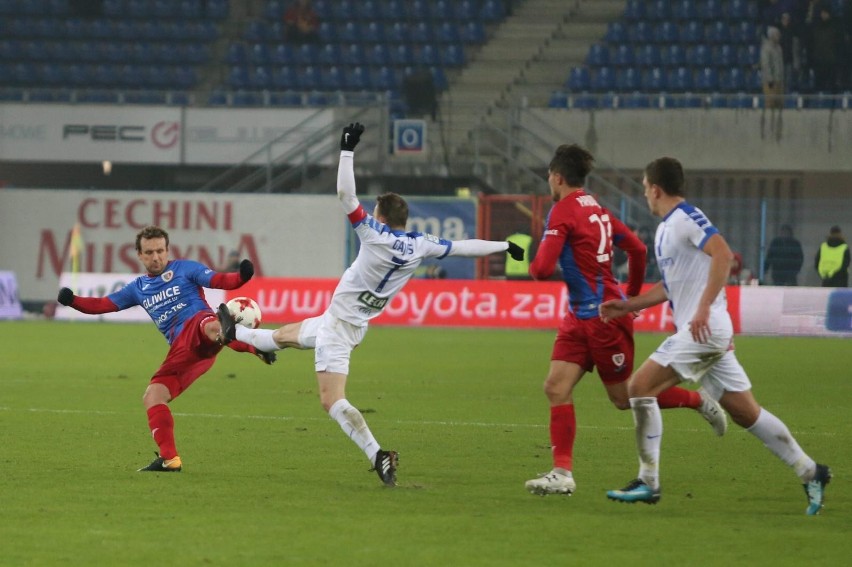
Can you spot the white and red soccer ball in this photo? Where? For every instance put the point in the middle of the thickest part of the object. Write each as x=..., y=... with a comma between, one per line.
x=245, y=312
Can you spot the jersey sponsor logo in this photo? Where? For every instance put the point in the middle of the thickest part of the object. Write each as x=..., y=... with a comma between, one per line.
x=167, y=276
x=163, y=295
x=372, y=301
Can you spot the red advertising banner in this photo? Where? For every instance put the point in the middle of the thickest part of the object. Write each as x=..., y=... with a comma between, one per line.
x=447, y=303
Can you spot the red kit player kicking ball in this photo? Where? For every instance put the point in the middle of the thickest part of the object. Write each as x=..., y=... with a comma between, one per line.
x=171, y=292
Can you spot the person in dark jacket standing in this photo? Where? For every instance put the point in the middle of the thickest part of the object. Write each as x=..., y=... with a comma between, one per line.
x=785, y=257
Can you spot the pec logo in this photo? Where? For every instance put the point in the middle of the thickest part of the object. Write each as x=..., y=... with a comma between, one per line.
x=409, y=137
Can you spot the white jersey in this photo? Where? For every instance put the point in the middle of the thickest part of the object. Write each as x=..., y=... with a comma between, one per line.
x=387, y=258
x=684, y=266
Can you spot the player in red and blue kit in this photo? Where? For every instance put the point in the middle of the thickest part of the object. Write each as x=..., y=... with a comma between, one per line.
x=579, y=236
x=171, y=292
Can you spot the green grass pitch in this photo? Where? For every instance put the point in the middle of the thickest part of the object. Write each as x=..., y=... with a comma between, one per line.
x=269, y=479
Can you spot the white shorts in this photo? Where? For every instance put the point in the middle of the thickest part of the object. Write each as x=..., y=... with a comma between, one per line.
x=713, y=364
x=333, y=340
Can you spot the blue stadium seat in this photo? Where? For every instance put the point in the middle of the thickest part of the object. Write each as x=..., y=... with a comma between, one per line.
x=329, y=54
x=366, y=10
x=724, y=56
x=217, y=9
x=447, y=32
x=658, y=10
x=237, y=54
x=332, y=79
x=342, y=10
x=421, y=32
x=49, y=28
x=51, y=74
x=616, y=33
x=217, y=98
x=260, y=78
x=188, y=9
x=378, y=55
x=667, y=32
x=680, y=79
x=640, y=32
x=353, y=54
x=258, y=54
x=707, y=80
x=139, y=9
x=649, y=55
x=718, y=32
x=628, y=79
x=491, y=11
x=683, y=10
x=465, y=11
x=635, y=10
x=558, y=99
x=439, y=78
x=472, y=33
x=418, y=11
x=288, y=98
x=427, y=55
x=145, y=97
x=306, y=54
x=285, y=77
x=579, y=79
x=310, y=77
x=598, y=55
x=731, y=79
x=164, y=9
x=348, y=32
x=452, y=55
x=113, y=9
x=745, y=32
x=327, y=32
x=655, y=80
x=358, y=78
x=373, y=32
x=77, y=76
x=441, y=11
x=317, y=98
x=238, y=77
x=401, y=54
x=636, y=100
x=698, y=55
x=384, y=78
x=246, y=98
x=257, y=31
x=748, y=55
x=98, y=97
x=394, y=10
x=623, y=56
x=397, y=32
x=603, y=79
x=710, y=10
x=274, y=9
x=692, y=32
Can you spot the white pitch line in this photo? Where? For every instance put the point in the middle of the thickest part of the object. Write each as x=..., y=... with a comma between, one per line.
x=398, y=421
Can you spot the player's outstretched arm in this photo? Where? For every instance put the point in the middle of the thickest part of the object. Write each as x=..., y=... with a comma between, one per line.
x=345, y=169
x=87, y=305
x=233, y=280
x=475, y=248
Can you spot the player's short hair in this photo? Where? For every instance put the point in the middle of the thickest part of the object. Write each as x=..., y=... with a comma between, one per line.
x=150, y=232
x=573, y=163
x=393, y=208
x=666, y=173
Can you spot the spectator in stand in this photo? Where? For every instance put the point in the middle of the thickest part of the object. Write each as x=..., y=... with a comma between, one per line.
x=832, y=260
x=826, y=48
x=772, y=68
x=773, y=9
x=790, y=52
x=301, y=22
x=784, y=258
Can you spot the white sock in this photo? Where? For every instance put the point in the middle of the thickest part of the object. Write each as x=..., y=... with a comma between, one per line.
x=261, y=339
x=778, y=439
x=353, y=424
x=649, y=433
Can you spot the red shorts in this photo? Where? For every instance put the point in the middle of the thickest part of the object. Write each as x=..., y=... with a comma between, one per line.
x=191, y=355
x=592, y=343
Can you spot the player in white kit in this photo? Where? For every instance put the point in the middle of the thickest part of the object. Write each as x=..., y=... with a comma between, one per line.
x=694, y=260
x=386, y=261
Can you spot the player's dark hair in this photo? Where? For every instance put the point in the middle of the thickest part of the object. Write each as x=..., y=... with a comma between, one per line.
x=150, y=232
x=573, y=163
x=394, y=209
x=666, y=173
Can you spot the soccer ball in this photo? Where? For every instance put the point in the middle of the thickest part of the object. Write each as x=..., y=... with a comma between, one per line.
x=245, y=312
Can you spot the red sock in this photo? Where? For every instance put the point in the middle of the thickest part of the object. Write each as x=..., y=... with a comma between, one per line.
x=563, y=429
x=676, y=397
x=162, y=426
x=240, y=346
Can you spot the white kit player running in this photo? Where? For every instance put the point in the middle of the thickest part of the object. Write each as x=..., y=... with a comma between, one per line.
x=386, y=261
x=694, y=261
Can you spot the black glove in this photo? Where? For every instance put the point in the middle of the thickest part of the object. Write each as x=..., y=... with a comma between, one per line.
x=351, y=136
x=515, y=251
x=66, y=296
x=246, y=270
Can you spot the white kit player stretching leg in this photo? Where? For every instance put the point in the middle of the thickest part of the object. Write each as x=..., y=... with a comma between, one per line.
x=694, y=261
x=387, y=259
